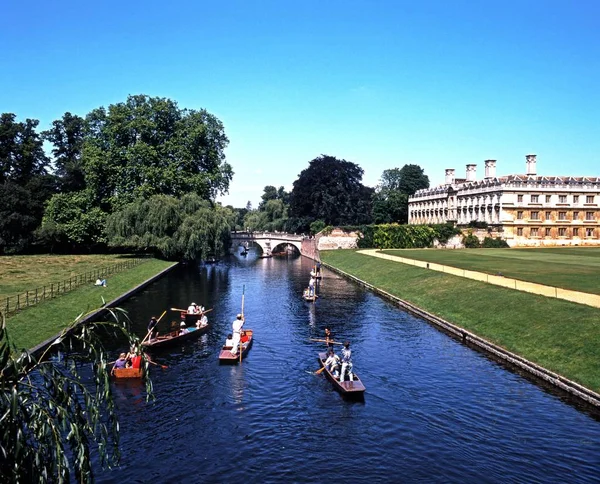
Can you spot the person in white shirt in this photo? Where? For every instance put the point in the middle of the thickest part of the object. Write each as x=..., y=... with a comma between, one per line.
x=229, y=340
x=236, y=326
x=193, y=308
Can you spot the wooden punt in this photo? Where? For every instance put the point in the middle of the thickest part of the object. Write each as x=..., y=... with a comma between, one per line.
x=225, y=355
x=174, y=337
x=122, y=373
x=312, y=298
x=353, y=388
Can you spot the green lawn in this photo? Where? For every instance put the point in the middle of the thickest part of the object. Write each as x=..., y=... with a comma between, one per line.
x=561, y=336
x=41, y=322
x=28, y=272
x=576, y=268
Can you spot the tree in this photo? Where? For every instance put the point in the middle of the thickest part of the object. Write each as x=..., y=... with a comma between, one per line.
x=331, y=190
x=25, y=184
x=67, y=135
x=148, y=146
x=390, y=201
x=190, y=227
x=52, y=415
x=22, y=154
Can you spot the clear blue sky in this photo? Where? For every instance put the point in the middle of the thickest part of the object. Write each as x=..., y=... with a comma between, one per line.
x=378, y=83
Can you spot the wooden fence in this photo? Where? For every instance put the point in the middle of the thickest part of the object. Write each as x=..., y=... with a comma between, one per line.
x=12, y=304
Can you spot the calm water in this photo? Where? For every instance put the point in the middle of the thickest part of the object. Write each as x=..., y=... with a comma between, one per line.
x=434, y=410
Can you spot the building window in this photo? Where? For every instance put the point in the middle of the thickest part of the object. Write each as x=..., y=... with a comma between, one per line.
x=547, y=198
x=562, y=199
x=534, y=198
x=575, y=232
x=547, y=231
x=575, y=215
x=589, y=199
x=562, y=215
x=520, y=215
x=535, y=215
x=589, y=215
x=520, y=231
x=589, y=232
x=548, y=215
x=519, y=198
x=575, y=198
x=562, y=232
x=534, y=232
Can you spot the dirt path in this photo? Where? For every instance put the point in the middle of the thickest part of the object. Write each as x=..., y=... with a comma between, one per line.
x=548, y=291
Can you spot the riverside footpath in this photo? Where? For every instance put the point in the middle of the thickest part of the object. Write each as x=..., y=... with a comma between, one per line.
x=541, y=289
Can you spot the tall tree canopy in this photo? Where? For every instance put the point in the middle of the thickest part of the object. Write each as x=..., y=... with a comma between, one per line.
x=148, y=146
x=25, y=184
x=390, y=202
x=67, y=136
x=331, y=190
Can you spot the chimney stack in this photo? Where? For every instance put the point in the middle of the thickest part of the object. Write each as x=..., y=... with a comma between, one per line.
x=490, y=168
x=449, y=176
x=531, y=161
x=471, y=172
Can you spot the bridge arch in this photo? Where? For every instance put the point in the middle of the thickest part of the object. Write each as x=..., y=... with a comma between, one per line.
x=267, y=241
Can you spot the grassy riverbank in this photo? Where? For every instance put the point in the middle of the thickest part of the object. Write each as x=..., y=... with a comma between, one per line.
x=38, y=323
x=561, y=336
x=574, y=268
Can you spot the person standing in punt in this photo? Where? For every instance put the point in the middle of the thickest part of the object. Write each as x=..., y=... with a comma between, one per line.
x=236, y=326
x=152, y=327
x=329, y=338
x=346, y=362
x=311, y=286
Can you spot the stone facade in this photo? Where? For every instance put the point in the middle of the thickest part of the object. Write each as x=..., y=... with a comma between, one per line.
x=528, y=210
x=337, y=239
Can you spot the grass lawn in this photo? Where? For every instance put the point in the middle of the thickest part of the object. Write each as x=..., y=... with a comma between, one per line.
x=21, y=273
x=38, y=323
x=561, y=336
x=576, y=268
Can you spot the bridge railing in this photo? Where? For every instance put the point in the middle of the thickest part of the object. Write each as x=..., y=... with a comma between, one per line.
x=267, y=235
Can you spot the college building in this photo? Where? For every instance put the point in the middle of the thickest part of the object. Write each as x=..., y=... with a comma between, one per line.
x=525, y=210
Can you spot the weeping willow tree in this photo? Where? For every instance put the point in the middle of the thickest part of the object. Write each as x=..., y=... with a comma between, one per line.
x=189, y=228
x=53, y=416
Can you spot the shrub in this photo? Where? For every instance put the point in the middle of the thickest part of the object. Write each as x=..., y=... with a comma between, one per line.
x=494, y=243
x=471, y=241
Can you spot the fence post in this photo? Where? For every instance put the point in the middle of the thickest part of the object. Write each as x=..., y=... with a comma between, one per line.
x=36, y=295
x=7, y=304
x=18, y=302
x=51, y=290
x=27, y=299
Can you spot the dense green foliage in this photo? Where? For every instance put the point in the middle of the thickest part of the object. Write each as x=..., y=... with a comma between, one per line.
x=494, y=243
x=189, y=227
x=390, y=200
x=471, y=241
x=561, y=336
x=54, y=415
x=394, y=236
x=25, y=183
x=114, y=156
x=329, y=190
x=272, y=212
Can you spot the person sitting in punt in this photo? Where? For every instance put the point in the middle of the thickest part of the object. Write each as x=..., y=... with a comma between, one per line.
x=134, y=359
x=346, y=362
x=183, y=329
x=193, y=309
x=203, y=321
x=229, y=340
x=332, y=363
x=120, y=363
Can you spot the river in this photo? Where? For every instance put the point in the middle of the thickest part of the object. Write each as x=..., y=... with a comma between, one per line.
x=434, y=410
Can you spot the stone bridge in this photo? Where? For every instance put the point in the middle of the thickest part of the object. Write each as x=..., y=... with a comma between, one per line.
x=267, y=241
